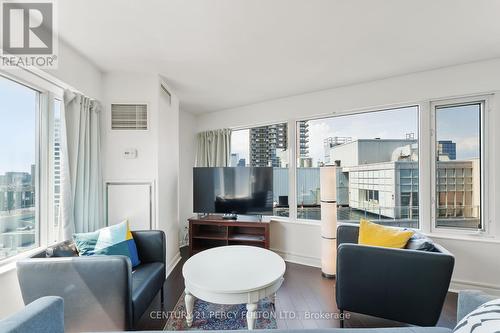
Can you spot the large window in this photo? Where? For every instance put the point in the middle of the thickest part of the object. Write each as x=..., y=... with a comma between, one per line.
x=377, y=158
x=458, y=165
x=265, y=146
x=19, y=118
x=376, y=154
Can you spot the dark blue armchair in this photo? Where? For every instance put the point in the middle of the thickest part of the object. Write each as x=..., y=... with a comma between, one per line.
x=404, y=285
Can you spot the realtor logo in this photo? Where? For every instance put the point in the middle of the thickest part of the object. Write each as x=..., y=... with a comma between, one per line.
x=28, y=34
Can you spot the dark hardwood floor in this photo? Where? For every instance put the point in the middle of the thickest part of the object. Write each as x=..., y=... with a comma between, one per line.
x=303, y=292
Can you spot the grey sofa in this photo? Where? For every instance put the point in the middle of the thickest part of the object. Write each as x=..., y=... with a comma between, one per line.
x=404, y=285
x=99, y=292
x=45, y=314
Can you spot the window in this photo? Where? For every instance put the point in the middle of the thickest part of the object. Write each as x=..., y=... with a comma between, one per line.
x=458, y=161
x=265, y=146
x=376, y=154
x=19, y=185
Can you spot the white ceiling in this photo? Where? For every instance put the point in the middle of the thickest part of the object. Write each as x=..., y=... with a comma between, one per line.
x=219, y=54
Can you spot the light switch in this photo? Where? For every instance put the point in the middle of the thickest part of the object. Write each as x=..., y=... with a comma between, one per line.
x=130, y=153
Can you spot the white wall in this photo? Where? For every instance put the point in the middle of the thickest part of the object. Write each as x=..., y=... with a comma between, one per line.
x=466, y=79
x=130, y=88
x=297, y=242
x=168, y=173
x=476, y=262
x=76, y=71
x=187, y=144
x=158, y=148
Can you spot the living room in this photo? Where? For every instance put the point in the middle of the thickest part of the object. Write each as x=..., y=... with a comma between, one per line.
x=233, y=165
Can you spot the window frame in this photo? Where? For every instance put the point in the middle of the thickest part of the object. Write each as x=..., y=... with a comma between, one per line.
x=47, y=92
x=426, y=146
x=485, y=170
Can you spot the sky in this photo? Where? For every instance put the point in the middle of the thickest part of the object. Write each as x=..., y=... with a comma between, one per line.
x=392, y=124
x=459, y=124
x=17, y=127
x=240, y=144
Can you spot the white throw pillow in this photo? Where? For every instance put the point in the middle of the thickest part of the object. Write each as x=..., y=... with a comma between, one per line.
x=484, y=319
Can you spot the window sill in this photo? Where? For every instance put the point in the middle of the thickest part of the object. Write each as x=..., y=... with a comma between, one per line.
x=300, y=222
x=469, y=237
x=9, y=263
x=476, y=237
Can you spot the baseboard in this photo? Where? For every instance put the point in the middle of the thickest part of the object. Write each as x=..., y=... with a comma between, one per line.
x=299, y=258
x=458, y=285
x=173, y=263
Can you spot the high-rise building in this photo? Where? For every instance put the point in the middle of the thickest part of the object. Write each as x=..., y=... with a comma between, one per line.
x=303, y=139
x=268, y=144
x=242, y=162
x=447, y=148
x=265, y=141
x=16, y=191
x=57, y=167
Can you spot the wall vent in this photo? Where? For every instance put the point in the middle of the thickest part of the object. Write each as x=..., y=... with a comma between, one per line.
x=129, y=116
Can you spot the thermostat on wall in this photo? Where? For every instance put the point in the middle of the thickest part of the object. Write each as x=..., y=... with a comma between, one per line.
x=130, y=153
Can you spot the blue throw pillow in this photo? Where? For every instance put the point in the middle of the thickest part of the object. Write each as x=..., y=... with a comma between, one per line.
x=114, y=240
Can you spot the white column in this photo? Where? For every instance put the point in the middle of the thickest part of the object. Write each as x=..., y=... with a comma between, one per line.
x=328, y=193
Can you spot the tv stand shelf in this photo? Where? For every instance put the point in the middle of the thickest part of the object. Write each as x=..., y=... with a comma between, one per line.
x=212, y=231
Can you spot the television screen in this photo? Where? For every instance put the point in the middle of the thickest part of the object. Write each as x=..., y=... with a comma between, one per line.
x=238, y=190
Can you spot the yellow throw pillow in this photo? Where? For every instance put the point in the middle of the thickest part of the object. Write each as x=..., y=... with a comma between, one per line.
x=378, y=235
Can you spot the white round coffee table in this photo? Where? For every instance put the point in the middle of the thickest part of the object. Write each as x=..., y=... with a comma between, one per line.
x=234, y=274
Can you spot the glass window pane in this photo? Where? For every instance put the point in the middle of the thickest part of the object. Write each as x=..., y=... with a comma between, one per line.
x=458, y=135
x=265, y=146
x=18, y=168
x=377, y=158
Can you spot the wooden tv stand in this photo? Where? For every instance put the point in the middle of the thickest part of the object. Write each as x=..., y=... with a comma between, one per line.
x=212, y=231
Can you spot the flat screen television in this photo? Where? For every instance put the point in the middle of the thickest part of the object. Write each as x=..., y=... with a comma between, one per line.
x=233, y=190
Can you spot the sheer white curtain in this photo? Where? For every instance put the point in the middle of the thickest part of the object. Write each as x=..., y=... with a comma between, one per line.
x=82, y=199
x=214, y=148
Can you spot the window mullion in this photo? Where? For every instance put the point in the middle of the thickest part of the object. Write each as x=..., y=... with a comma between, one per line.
x=51, y=232
x=426, y=167
x=292, y=165
x=43, y=197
